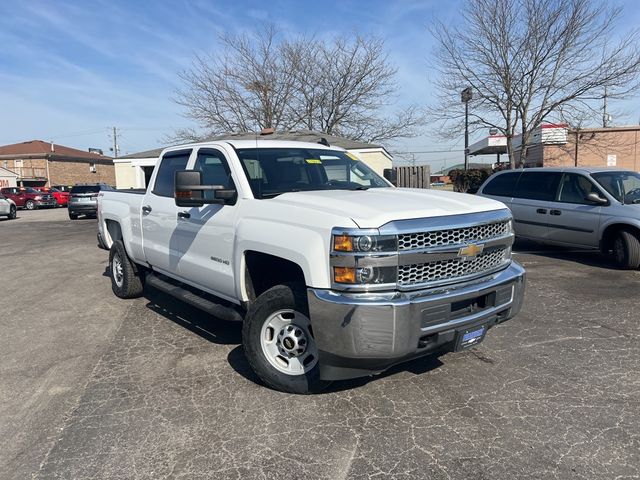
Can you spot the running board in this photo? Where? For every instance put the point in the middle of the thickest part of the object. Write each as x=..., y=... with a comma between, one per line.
x=215, y=309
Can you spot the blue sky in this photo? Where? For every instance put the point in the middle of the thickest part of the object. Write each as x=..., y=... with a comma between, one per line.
x=69, y=70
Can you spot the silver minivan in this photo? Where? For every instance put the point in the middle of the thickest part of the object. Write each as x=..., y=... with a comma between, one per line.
x=595, y=208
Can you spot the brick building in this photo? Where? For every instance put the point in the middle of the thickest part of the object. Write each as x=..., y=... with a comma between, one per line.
x=39, y=163
x=558, y=145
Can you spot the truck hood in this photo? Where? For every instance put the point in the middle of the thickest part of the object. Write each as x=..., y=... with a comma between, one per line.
x=377, y=206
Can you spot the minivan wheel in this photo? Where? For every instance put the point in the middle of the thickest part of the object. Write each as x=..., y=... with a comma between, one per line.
x=626, y=250
x=278, y=341
x=12, y=212
x=125, y=281
x=29, y=205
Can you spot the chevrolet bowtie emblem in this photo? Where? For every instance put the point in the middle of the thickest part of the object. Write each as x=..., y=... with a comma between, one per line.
x=470, y=250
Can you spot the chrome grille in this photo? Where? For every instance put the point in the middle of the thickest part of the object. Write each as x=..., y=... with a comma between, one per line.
x=454, y=236
x=450, y=269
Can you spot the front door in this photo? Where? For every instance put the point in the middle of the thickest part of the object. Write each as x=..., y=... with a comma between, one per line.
x=207, y=232
x=573, y=219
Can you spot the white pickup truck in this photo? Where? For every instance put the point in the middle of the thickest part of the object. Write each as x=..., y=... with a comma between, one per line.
x=334, y=272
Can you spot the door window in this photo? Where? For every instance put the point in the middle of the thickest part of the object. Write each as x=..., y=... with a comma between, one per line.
x=538, y=185
x=574, y=188
x=165, y=178
x=215, y=170
x=502, y=185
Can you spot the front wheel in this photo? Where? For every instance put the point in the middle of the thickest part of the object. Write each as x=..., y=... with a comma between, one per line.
x=30, y=205
x=626, y=250
x=125, y=281
x=278, y=341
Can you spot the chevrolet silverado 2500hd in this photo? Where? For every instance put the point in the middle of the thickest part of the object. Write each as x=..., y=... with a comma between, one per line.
x=334, y=272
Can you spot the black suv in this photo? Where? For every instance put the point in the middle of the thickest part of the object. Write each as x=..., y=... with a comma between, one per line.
x=83, y=199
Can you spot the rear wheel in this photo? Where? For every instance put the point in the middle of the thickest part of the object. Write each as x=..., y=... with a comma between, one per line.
x=30, y=205
x=125, y=281
x=278, y=341
x=626, y=250
x=73, y=216
x=12, y=212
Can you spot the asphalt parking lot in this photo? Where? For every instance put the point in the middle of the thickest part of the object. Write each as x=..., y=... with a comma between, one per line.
x=96, y=387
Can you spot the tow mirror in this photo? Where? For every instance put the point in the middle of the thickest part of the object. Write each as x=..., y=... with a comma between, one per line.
x=595, y=198
x=190, y=192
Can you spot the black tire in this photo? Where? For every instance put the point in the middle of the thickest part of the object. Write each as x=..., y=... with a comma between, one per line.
x=30, y=205
x=125, y=281
x=281, y=297
x=12, y=212
x=73, y=216
x=626, y=250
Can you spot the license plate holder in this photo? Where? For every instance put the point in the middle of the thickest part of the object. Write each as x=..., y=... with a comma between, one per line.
x=470, y=337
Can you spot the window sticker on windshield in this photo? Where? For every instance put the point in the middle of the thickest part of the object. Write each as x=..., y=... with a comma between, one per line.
x=313, y=160
x=351, y=156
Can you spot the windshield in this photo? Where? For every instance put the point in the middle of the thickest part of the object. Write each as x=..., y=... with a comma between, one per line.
x=273, y=171
x=623, y=186
x=31, y=190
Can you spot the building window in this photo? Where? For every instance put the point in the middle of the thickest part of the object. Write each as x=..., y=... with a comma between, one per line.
x=92, y=167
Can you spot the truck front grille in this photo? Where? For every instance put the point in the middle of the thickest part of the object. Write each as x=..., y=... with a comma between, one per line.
x=442, y=270
x=454, y=236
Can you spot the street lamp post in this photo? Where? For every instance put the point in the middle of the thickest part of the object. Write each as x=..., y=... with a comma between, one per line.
x=466, y=95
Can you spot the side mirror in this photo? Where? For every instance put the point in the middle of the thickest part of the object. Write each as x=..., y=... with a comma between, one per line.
x=595, y=198
x=189, y=190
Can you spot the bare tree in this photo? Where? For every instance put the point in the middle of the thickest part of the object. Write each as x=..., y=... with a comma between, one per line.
x=341, y=87
x=529, y=61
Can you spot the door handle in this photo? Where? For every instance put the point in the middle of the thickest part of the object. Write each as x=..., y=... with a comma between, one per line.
x=556, y=212
x=146, y=209
x=542, y=211
x=184, y=215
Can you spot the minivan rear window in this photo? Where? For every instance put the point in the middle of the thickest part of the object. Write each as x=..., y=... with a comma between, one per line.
x=538, y=185
x=502, y=185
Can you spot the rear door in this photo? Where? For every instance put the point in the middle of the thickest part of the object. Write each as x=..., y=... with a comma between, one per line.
x=572, y=219
x=159, y=213
x=531, y=203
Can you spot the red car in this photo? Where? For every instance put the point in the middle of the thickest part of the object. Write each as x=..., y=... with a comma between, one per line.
x=62, y=198
x=28, y=197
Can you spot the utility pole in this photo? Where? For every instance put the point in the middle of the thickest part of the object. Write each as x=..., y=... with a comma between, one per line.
x=466, y=95
x=116, y=148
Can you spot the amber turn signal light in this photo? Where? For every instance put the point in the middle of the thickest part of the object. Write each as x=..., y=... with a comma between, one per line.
x=344, y=275
x=343, y=243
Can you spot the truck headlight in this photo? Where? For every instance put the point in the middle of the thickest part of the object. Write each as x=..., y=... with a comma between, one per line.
x=364, y=243
x=364, y=275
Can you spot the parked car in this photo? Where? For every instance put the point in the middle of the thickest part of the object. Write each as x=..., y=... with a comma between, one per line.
x=63, y=188
x=596, y=208
x=62, y=198
x=28, y=197
x=7, y=207
x=334, y=272
x=83, y=199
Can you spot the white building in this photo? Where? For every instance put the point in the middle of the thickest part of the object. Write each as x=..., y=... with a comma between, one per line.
x=134, y=171
x=8, y=178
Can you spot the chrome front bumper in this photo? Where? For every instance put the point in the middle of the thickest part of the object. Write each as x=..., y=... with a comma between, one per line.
x=364, y=334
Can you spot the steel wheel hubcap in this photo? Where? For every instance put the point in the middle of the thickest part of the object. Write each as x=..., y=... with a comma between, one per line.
x=287, y=342
x=118, y=276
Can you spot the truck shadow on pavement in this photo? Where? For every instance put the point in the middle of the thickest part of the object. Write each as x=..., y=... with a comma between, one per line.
x=221, y=332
